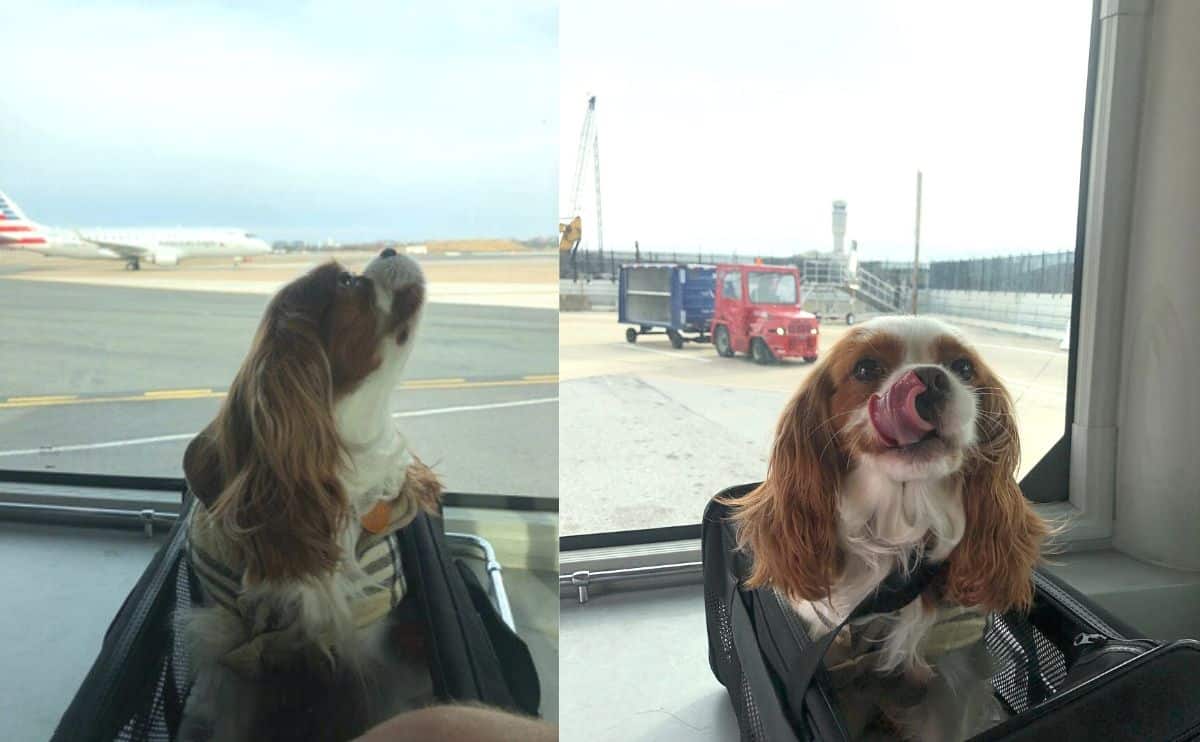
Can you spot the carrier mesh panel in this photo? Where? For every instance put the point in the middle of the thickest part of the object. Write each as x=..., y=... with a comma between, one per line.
x=158, y=716
x=1006, y=641
x=159, y=711
x=181, y=659
x=744, y=705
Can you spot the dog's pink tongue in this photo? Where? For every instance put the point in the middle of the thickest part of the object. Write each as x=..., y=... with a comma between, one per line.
x=894, y=412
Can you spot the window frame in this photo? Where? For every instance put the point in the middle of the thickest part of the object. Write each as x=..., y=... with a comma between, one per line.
x=68, y=489
x=1119, y=44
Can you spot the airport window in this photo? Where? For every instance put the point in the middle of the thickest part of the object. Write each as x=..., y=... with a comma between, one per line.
x=118, y=345
x=167, y=175
x=807, y=146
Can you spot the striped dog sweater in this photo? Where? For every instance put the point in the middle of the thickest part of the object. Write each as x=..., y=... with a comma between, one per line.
x=378, y=588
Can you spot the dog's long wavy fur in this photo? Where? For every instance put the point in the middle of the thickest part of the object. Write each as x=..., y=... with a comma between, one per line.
x=266, y=472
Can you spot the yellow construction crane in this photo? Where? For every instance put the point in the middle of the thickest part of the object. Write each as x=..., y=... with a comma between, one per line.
x=570, y=229
x=569, y=235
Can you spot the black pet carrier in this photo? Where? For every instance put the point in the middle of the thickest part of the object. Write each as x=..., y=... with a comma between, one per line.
x=1068, y=671
x=137, y=686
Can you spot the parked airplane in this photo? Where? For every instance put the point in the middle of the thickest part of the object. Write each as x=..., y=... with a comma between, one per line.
x=160, y=246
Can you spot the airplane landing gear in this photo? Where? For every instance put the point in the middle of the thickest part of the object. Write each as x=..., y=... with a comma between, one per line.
x=133, y=265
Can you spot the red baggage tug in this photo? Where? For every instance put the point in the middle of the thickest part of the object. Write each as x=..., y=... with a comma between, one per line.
x=758, y=311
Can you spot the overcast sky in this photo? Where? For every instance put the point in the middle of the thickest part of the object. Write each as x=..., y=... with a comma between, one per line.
x=408, y=120
x=733, y=126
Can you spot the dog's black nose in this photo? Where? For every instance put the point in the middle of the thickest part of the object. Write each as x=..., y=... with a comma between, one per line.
x=937, y=388
x=387, y=253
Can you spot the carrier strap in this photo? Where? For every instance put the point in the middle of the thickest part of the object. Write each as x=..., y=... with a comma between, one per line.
x=897, y=590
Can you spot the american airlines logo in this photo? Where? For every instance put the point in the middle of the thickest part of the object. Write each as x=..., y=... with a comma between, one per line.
x=8, y=214
x=10, y=233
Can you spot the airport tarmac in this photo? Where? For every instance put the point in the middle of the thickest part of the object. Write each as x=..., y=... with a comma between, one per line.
x=649, y=433
x=527, y=279
x=103, y=377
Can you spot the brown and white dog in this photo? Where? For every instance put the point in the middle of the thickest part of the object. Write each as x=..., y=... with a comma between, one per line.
x=901, y=443
x=300, y=481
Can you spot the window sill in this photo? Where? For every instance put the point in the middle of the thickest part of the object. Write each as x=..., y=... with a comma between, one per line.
x=522, y=539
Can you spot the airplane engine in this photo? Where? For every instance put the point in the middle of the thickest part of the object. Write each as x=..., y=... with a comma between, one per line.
x=164, y=257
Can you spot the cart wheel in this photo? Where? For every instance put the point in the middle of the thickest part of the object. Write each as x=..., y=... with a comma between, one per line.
x=721, y=340
x=849, y=318
x=631, y=335
x=761, y=353
x=810, y=359
x=675, y=338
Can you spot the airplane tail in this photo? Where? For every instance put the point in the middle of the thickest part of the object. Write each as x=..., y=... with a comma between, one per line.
x=16, y=230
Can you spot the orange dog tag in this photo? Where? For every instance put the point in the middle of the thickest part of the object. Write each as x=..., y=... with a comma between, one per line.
x=377, y=520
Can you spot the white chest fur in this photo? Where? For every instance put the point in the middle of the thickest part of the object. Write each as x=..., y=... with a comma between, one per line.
x=882, y=523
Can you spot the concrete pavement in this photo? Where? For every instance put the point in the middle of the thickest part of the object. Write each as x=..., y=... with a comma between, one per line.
x=649, y=433
x=150, y=366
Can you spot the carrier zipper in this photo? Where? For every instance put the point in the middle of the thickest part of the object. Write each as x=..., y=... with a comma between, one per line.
x=1115, y=649
x=1065, y=600
x=1056, y=702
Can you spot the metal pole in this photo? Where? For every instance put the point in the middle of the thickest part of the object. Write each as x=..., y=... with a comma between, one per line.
x=495, y=574
x=596, y=159
x=916, y=272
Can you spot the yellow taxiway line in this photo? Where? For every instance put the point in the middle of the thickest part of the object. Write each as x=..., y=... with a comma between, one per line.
x=157, y=395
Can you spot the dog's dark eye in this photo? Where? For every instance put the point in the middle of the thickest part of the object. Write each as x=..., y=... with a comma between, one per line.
x=963, y=368
x=868, y=369
x=345, y=279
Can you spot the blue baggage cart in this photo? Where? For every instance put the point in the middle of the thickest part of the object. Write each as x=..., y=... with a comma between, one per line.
x=675, y=300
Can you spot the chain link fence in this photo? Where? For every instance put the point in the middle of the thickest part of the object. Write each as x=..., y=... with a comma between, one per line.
x=1041, y=273
x=1044, y=273
x=593, y=266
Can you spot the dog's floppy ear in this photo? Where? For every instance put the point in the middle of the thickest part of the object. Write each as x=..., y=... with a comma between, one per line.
x=202, y=467
x=789, y=523
x=992, y=566
x=424, y=487
x=281, y=501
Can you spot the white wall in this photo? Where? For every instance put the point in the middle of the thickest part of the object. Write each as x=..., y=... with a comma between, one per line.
x=1158, y=452
x=1039, y=311
x=602, y=293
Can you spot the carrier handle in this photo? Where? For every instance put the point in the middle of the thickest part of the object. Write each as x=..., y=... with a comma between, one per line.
x=897, y=590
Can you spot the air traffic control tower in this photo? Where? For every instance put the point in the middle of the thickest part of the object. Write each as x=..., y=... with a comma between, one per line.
x=839, y=228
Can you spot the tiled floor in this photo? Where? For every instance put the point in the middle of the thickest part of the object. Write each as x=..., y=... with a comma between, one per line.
x=61, y=586
x=635, y=667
